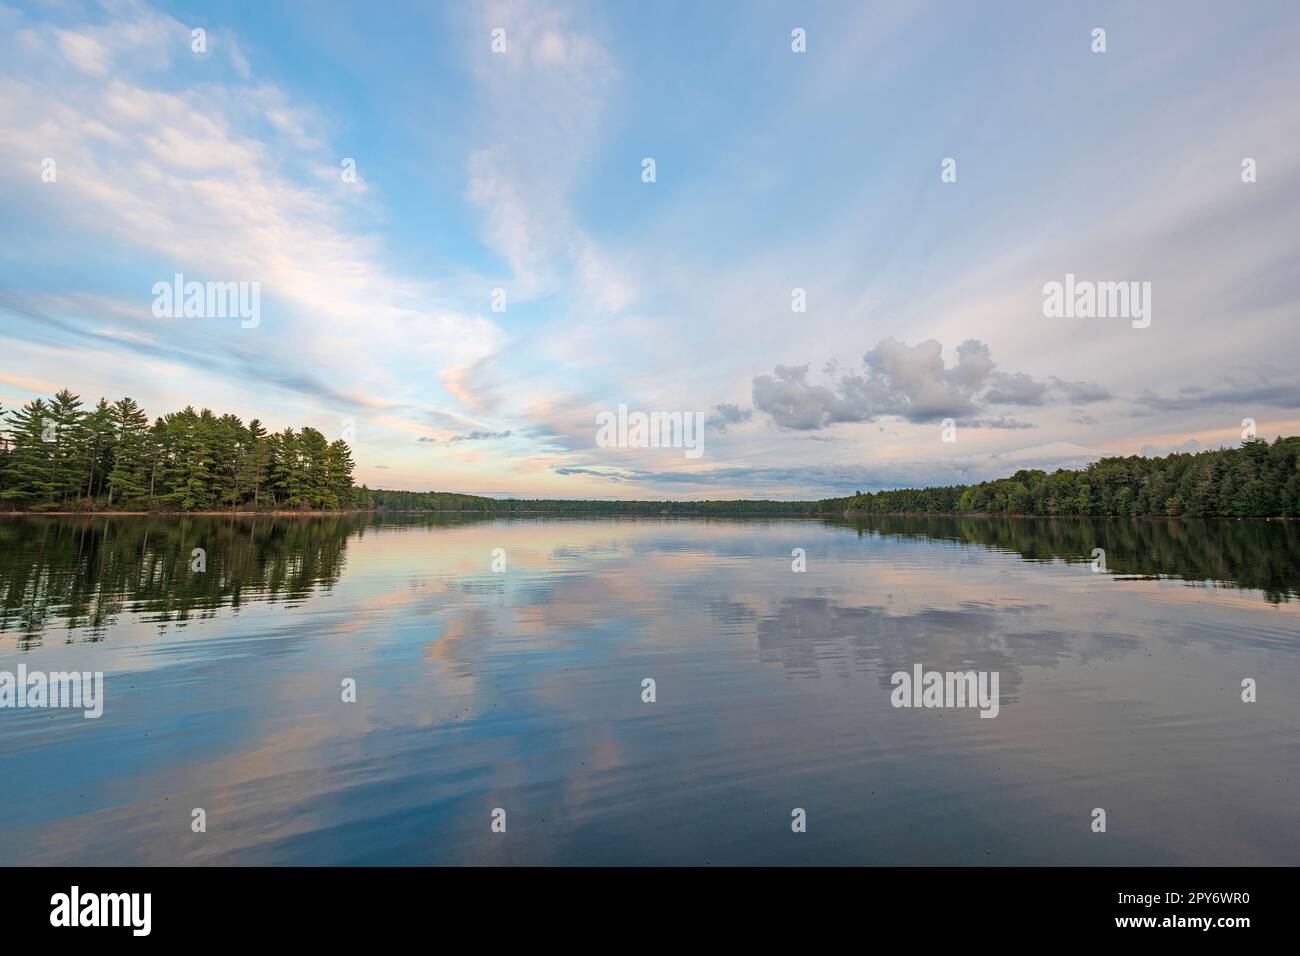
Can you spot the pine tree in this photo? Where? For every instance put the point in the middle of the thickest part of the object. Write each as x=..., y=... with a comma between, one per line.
x=289, y=471
x=129, y=478
x=255, y=460
x=313, y=448
x=339, y=465
x=66, y=461
x=4, y=453
x=30, y=454
x=187, y=459
x=226, y=443
x=95, y=439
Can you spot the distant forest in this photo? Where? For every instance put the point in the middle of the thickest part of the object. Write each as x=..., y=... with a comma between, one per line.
x=1256, y=480
x=58, y=455
x=373, y=498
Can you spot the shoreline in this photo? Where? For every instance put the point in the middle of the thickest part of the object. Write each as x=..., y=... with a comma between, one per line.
x=178, y=514
x=996, y=514
x=615, y=514
x=391, y=511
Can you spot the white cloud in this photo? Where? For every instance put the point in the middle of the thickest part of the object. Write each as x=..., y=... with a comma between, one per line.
x=542, y=104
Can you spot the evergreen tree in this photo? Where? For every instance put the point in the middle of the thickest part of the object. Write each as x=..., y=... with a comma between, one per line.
x=4, y=453
x=95, y=440
x=254, y=461
x=63, y=478
x=27, y=469
x=339, y=465
x=128, y=480
x=289, y=479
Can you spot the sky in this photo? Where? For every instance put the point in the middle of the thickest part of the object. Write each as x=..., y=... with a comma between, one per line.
x=499, y=272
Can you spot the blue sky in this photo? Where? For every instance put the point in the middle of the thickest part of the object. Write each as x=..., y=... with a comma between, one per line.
x=775, y=170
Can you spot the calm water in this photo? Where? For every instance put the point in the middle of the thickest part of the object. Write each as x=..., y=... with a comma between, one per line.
x=523, y=690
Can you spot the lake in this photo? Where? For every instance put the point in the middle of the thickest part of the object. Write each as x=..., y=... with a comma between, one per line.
x=508, y=689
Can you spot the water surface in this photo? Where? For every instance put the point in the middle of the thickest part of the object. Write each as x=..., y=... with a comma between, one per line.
x=522, y=690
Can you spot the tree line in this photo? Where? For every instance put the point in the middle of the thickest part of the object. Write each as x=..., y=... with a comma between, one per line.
x=1255, y=480
x=380, y=499
x=56, y=454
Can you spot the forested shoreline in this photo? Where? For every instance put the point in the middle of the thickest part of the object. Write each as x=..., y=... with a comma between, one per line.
x=57, y=455
x=1255, y=480
x=372, y=499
